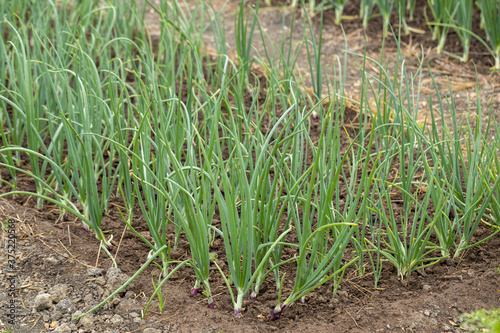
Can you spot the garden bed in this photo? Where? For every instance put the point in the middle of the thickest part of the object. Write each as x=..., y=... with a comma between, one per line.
x=57, y=257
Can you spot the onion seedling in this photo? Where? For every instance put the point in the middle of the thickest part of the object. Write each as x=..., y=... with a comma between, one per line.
x=365, y=11
x=239, y=199
x=339, y=6
x=313, y=49
x=318, y=257
x=490, y=12
x=464, y=20
x=385, y=8
x=443, y=12
x=55, y=197
x=243, y=38
x=24, y=103
x=401, y=8
x=410, y=6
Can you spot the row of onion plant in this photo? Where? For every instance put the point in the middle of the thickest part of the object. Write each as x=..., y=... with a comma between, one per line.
x=186, y=138
x=441, y=16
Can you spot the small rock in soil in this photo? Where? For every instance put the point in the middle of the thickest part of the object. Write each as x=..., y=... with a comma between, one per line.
x=115, y=300
x=87, y=322
x=88, y=299
x=51, y=261
x=117, y=320
x=64, y=328
x=58, y=292
x=56, y=315
x=415, y=325
x=99, y=291
x=42, y=302
x=128, y=305
x=66, y=306
x=94, y=272
x=151, y=330
x=426, y=287
x=343, y=294
x=113, y=272
x=115, y=282
x=100, y=280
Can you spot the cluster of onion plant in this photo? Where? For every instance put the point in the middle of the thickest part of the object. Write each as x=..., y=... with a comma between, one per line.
x=470, y=162
x=58, y=100
x=399, y=140
x=458, y=15
x=490, y=10
x=248, y=201
x=27, y=123
x=443, y=12
x=429, y=181
x=493, y=211
x=444, y=15
x=464, y=20
x=313, y=193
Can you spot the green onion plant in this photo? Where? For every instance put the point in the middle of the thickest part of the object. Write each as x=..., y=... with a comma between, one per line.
x=464, y=20
x=385, y=9
x=490, y=10
x=443, y=12
x=319, y=260
x=365, y=11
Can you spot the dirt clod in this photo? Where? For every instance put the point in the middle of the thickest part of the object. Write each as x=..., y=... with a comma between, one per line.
x=43, y=302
